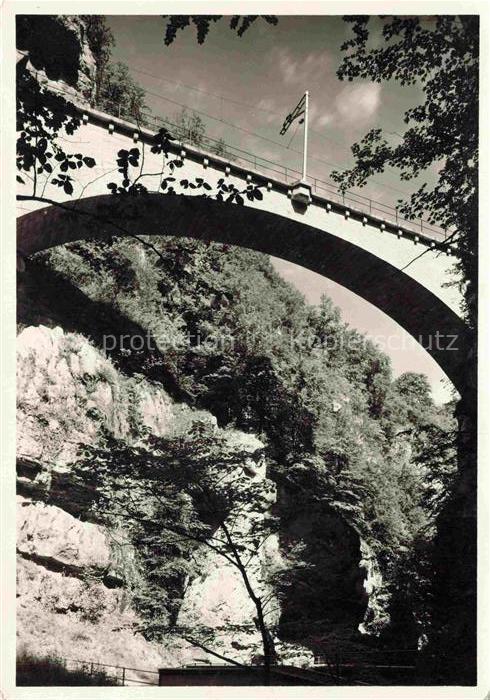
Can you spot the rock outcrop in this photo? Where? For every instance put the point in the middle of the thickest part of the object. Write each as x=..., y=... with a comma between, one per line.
x=71, y=595
x=69, y=70
x=376, y=617
x=73, y=573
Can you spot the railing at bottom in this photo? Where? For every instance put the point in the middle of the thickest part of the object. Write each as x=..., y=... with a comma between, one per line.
x=121, y=675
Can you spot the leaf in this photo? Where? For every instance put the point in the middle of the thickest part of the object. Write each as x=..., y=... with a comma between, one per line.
x=19, y=179
x=68, y=187
x=89, y=162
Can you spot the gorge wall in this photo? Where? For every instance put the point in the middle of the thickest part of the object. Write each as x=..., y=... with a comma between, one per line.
x=75, y=576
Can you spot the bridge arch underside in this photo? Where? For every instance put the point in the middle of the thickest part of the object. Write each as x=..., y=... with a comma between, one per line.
x=420, y=312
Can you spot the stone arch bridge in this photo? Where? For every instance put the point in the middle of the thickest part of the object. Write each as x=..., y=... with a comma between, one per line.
x=400, y=267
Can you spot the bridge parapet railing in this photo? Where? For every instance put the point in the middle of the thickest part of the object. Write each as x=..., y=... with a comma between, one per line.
x=322, y=188
x=240, y=158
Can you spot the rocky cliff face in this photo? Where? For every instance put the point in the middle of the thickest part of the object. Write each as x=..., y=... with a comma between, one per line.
x=71, y=591
x=57, y=52
x=73, y=576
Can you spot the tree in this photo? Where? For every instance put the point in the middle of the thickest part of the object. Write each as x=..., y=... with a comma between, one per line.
x=43, y=116
x=179, y=493
x=118, y=94
x=329, y=400
x=440, y=53
x=190, y=128
x=100, y=40
x=221, y=150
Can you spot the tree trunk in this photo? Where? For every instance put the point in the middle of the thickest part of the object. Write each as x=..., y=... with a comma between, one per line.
x=268, y=646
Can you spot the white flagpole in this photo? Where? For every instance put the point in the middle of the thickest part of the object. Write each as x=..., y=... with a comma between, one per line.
x=305, y=142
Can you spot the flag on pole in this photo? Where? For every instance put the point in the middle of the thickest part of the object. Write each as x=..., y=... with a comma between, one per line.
x=297, y=112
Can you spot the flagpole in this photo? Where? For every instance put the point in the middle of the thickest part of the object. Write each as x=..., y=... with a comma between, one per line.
x=305, y=142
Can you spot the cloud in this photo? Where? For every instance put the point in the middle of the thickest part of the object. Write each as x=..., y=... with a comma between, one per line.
x=324, y=120
x=300, y=70
x=357, y=103
x=269, y=111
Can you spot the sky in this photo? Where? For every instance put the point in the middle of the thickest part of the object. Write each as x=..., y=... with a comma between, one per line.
x=243, y=88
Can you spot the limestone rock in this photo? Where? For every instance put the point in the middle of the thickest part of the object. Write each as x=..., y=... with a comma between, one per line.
x=49, y=534
x=376, y=617
x=80, y=619
x=72, y=587
x=67, y=390
x=72, y=71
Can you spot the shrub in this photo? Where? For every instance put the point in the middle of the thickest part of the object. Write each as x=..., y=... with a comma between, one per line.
x=40, y=671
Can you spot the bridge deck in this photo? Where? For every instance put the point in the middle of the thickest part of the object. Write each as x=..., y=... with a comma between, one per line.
x=274, y=175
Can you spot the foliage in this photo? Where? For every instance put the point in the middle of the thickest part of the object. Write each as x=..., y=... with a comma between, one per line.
x=238, y=341
x=41, y=114
x=340, y=433
x=120, y=95
x=440, y=53
x=190, y=128
x=202, y=23
x=221, y=150
x=100, y=40
x=175, y=493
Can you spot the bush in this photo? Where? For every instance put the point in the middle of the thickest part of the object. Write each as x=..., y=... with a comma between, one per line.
x=39, y=671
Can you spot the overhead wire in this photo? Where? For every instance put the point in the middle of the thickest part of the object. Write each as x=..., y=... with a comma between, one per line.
x=231, y=100
x=254, y=134
x=253, y=108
